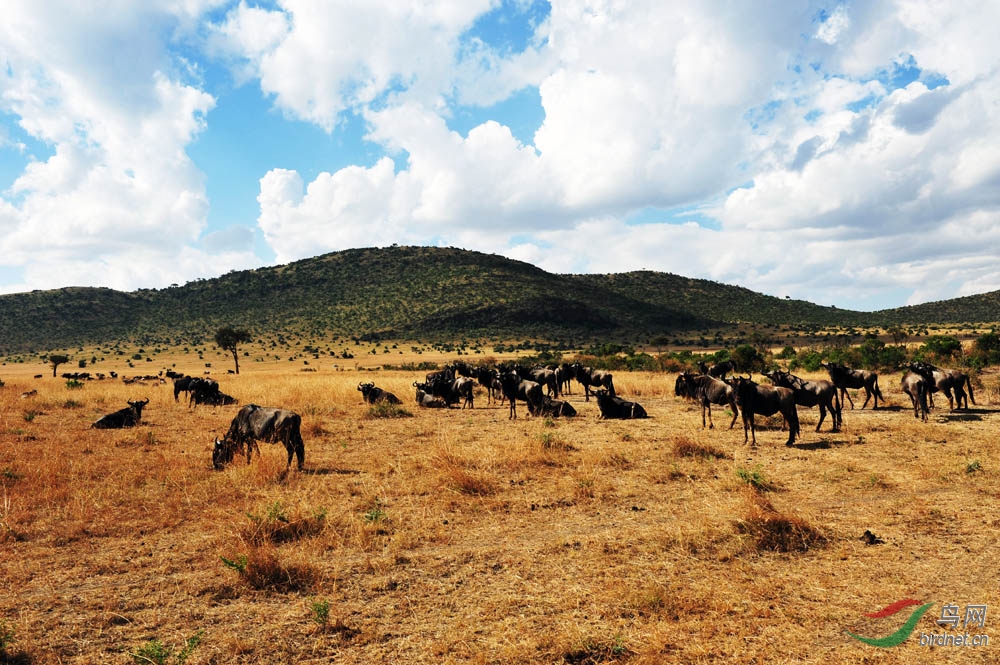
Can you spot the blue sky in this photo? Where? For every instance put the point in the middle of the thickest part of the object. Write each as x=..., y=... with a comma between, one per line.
x=845, y=153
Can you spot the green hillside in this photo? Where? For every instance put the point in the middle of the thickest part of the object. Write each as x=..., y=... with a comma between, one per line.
x=426, y=293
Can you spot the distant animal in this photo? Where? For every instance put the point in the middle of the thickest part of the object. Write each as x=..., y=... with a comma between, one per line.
x=707, y=390
x=616, y=407
x=916, y=383
x=451, y=390
x=765, y=400
x=556, y=408
x=718, y=370
x=373, y=394
x=428, y=401
x=588, y=377
x=844, y=377
x=206, y=391
x=29, y=393
x=515, y=388
x=127, y=417
x=812, y=393
x=185, y=384
x=260, y=423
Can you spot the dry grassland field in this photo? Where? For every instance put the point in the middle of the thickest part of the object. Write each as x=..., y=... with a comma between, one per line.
x=459, y=536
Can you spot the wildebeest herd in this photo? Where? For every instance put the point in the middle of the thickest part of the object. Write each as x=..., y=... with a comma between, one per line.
x=541, y=389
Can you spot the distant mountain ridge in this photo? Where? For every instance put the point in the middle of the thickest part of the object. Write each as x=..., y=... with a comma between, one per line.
x=427, y=293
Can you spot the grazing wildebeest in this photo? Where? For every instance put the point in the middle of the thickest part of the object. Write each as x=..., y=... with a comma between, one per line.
x=707, y=390
x=593, y=377
x=844, y=377
x=616, y=407
x=765, y=400
x=429, y=401
x=812, y=393
x=946, y=380
x=916, y=383
x=515, y=388
x=127, y=417
x=718, y=370
x=373, y=394
x=556, y=408
x=260, y=423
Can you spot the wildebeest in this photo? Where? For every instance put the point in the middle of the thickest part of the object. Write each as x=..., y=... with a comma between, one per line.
x=212, y=396
x=515, y=388
x=489, y=379
x=564, y=377
x=260, y=423
x=429, y=401
x=916, y=383
x=812, y=393
x=188, y=384
x=707, y=391
x=588, y=377
x=542, y=376
x=765, y=400
x=718, y=370
x=946, y=380
x=372, y=394
x=451, y=390
x=127, y=417
x=844, y=377
x=616, y=407
x=556, y=408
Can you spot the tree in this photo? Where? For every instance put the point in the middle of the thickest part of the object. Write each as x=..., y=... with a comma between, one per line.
x=229, y=338
x=56, y=359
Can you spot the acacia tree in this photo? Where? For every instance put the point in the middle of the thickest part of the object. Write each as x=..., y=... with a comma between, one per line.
x=230, y=338
x=56, y=359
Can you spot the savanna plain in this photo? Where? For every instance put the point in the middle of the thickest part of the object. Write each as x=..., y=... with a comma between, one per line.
x=460, y=536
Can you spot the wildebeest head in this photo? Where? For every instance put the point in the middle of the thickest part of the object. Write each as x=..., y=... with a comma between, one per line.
x=137, y=406
x=222, y=453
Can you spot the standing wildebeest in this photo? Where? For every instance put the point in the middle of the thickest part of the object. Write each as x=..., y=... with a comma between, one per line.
x=564, y=377
x=946, y=380
x=127, y=417
x=515, y=388
x=452, y=390
x=718, y=370
x=616, y=407
x=593, y=377
x=765, y=400
x=916, y=383
x=183, y=385
x=372, y=394
x=260, y=423
x=542, y=376
x=844, y=377
x=206, y=391
x=811, y=393
x=490, y=379
x=707, y=391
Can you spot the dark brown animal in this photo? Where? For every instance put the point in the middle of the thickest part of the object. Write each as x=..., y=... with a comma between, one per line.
x=812, y=393
x=707, y=391
x=127, y=417
x=917, y=385
x=260, y=423
x=765, y=400
x=844, y=377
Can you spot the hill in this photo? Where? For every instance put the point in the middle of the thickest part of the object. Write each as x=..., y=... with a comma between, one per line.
x=425, y=293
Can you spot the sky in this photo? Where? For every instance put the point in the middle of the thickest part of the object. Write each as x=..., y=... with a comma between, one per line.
x=844, y=153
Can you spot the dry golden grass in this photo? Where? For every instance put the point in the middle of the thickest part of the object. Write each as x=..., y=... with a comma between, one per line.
x=462, y=537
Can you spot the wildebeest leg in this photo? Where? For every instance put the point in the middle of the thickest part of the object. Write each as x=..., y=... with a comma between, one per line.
x=706, y=406
x=843, y=394
x=822, y=415
x=792, y=418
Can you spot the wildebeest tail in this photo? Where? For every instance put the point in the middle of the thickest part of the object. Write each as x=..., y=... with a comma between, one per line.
x=878, y=393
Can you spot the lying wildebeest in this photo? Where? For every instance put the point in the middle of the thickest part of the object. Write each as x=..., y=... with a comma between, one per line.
x=844, y=377
x=767, y=401
x=429, y=401
x=616, y=407
x=916, y=383
x=707, y=391
x=260, y=423
x=373, y=394
x=718, y=370
x=593, y=377
x=812, y=393
x=946, y=380
x=127, y=417
x=515, y=388
x=556, y=408
x=212, y=397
